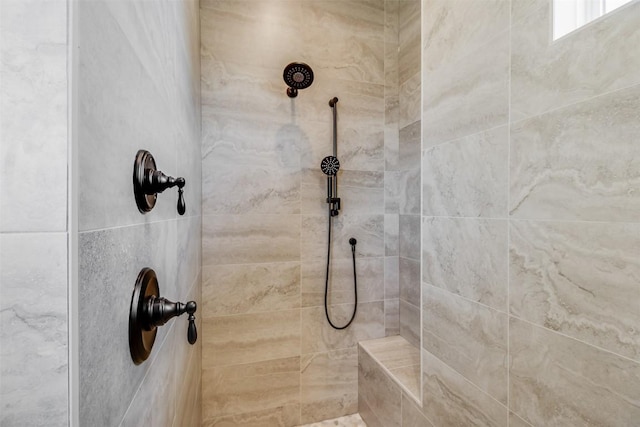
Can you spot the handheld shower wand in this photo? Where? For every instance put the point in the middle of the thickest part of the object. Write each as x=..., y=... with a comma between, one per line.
x=330, y=167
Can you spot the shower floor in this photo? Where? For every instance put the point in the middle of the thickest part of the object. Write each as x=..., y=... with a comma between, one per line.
x=348, y=421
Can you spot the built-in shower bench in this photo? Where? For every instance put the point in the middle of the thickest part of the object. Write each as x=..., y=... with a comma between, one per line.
x=388, y=379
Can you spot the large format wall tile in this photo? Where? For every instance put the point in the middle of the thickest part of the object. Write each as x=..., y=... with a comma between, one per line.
x=351, y=36
x=34, y=330
x=367, y=229
x=362, y=192
x=450, y=399
x=379, y=392
x=410, y=101
x=118, y=116
x=560, y=381
x=33, y=66
x=410, y=322
x=469, y=337
x=467, y=96
x=109, y=263
x=252, y=388
x=412, y=415
x=250, y=288
x=580, y=279
x=601, y=57
x=150, y=403
x=580, y=162
x=467, y=257
x=248, y=338
x=272, y=238
x=409, y=39
x=456, y=28
x=370, y=278
x=328, y=384
x=318, y=335
x=410, y=236
x=466, y=177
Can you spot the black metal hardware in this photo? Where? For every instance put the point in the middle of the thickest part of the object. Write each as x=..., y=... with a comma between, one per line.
x=148, y=182
x=297, y=75
x=149, y=310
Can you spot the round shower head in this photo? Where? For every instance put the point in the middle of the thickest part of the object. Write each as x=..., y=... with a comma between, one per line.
x=297, y=75
x=330, y=165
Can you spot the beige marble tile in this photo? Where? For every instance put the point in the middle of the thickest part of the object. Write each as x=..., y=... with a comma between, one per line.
x=545, y=74
x=391, y=230
x=226, y=25
x=402, y=192
x=580, y=162
x=466, y=177
x=410, y=101
x=318, y=336
x=410, y=236
x=516, y=421
x=455, y=28
x=409, y=39
x=367, y=229
x=412, y=415
x=410, y=322
x=252, y=393
x=449, y=399
x=391, y=277
x=581, y=279
x=555, y=380
x=347, y=421
x=241, y=239
x=250, y=338
x=362, y=192
x=352, y=37
x=392, y=352
x=234, y=187
x=466, y=256
x=391, y=23
x=367, y=414
x=467, y=96
x=469, y=337
x=250, y=288
x=410, y=138
x=281, y=416
x=328, y=384
x=391, y=317
x=370, y=277
x=380, y=392
x=409, y=378
x=410, y=281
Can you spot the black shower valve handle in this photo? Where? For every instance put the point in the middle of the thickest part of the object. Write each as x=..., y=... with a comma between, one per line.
x=157, y=182
x=148, y=181
x=159, y=310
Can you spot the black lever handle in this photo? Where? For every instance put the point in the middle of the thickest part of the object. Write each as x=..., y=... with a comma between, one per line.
x=148, y=181
x=158, y=310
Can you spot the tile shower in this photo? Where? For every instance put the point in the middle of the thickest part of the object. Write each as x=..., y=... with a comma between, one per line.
x=488, y=173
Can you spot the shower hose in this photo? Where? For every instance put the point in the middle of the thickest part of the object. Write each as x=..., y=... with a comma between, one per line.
x=352, y=242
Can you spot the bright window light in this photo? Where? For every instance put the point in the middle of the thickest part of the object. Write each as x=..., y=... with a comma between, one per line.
x=569, y=15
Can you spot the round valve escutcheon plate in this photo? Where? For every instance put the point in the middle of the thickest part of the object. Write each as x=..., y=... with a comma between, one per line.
x=141, y=337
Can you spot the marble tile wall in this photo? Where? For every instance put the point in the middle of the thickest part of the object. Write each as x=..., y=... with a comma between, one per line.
x=269, y=356
x=404, y=181
x=137, y=77
x=529, y=168
x=34, y=362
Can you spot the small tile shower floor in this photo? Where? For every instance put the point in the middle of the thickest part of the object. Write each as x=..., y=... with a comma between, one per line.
x=348, y=421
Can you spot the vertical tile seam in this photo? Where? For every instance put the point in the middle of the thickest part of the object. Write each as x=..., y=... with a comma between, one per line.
x=508, y=367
